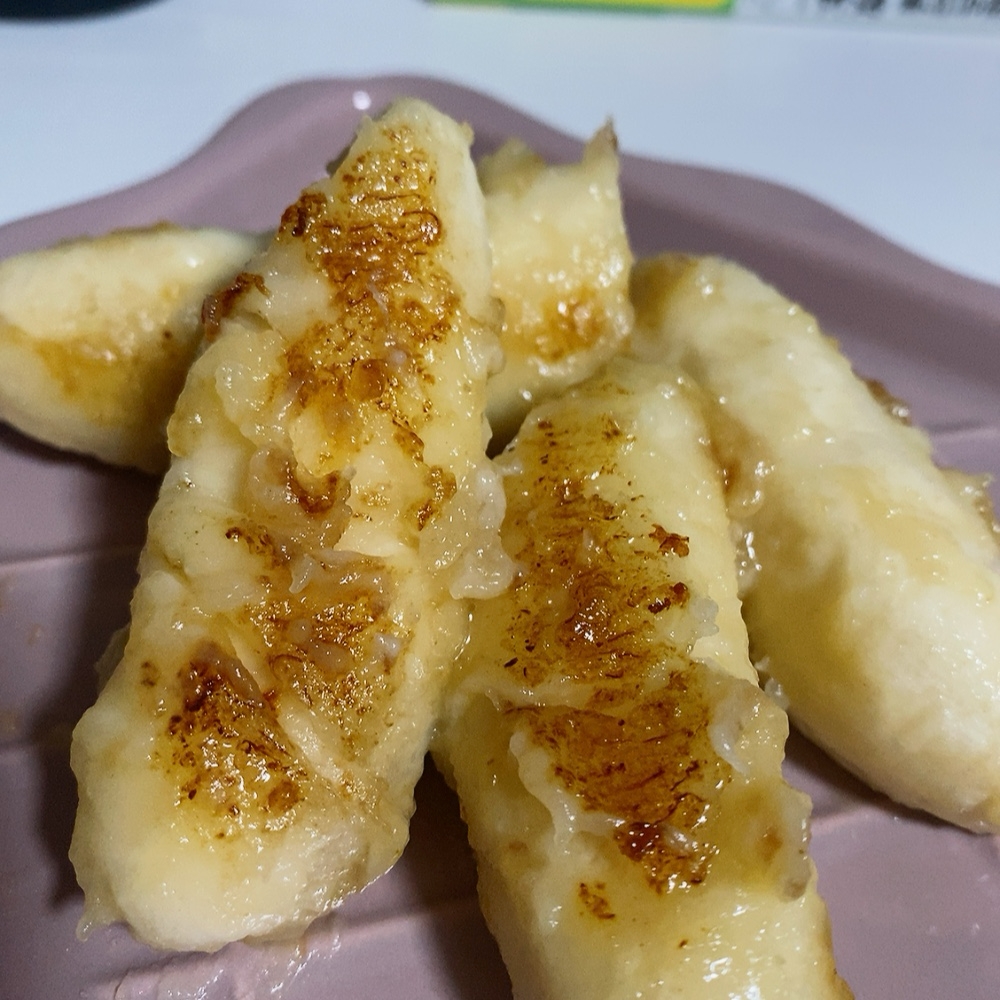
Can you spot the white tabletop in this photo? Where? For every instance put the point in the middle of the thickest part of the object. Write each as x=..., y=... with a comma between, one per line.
x=897, y=126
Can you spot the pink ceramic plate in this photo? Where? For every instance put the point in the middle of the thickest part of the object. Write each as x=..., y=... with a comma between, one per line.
x=915, y=904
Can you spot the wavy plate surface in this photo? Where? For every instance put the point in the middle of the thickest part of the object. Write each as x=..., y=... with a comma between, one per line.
x=915, y=904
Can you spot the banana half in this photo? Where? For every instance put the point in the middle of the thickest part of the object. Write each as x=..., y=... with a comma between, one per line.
x=871, y=578
x=96, y=335
x=303, y=590
x=618, y=767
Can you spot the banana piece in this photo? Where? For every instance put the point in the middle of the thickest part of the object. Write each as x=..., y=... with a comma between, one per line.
x=871, y=578
x=561, y=262
x=618, y=767
x=304, y=588
x=97, y=333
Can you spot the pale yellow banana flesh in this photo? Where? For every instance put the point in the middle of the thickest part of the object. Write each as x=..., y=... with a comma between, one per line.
x=871, y=579
x=561, y=261
x=96, y=335
x=329, y=507
x=617, y=765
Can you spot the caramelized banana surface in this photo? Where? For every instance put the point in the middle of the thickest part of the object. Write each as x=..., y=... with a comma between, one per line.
x=96, y=335
x=302, y=592
x=871, y=578
x=617, y=765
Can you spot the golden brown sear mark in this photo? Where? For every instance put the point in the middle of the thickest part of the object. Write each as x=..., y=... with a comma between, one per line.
x=570, y=322
x=581, y=617
x=392, y=298
x=442, y=486
x=221, y=304
x=593, y=896
x=373, y=244
x=652, y=768
x=224, y=737
x=669, y=541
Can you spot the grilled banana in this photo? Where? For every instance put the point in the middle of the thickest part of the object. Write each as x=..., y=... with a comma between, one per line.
x=871, y=578
x=302, y=593
x=96, y=335
x=561, y=261
x=617, y=765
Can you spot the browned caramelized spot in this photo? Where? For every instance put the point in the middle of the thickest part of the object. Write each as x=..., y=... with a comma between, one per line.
x=323, y=627
x=770, y=843
x=579, y=613
x=897, y=408
x=611, y=430
x=234, y=762
x=593, y=896
x=259, y=542
x=320, y=496
x=677, y=594
x=569, y=323
x=668, y=541
x=393, y=300
x=442, y=488
x=409, y=442
x=220, y=304
x=342, y=612
x=333, y=646
x=629, y=737
x=343, y=699
x=298, y=218
x=652, y=768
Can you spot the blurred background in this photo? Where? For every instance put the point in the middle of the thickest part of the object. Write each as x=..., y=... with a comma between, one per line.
x=885, y=109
